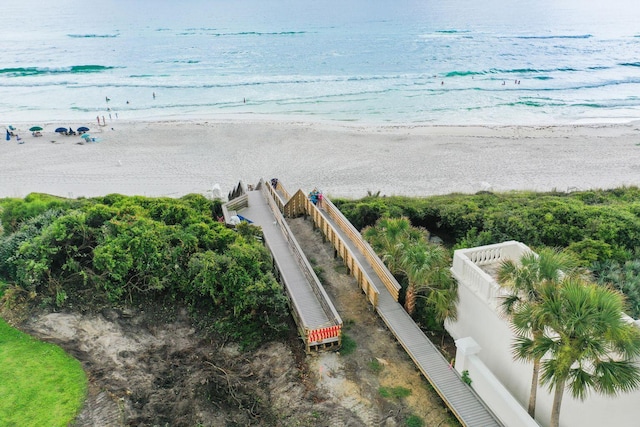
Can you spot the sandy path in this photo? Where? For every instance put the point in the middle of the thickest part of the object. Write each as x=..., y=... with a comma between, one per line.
x=176, y=158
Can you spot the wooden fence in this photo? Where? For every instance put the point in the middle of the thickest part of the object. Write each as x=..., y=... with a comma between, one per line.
x=376, y=263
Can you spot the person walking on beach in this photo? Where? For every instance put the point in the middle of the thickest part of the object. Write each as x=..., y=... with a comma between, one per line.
x=98, y=119
x=154, y=95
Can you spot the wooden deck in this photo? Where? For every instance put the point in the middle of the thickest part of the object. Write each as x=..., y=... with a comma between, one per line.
x=459, y=397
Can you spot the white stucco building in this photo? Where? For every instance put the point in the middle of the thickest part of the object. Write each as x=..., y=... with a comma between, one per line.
x=484, y=340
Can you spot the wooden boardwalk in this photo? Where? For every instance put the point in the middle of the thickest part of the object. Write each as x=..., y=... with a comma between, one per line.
x=459, y=397
x=309, y=300
x=318, y=321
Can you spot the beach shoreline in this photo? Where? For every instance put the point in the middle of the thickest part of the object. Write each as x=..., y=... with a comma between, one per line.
x=169, y=157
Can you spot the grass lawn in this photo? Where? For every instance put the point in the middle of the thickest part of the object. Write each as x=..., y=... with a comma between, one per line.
x=40, y=385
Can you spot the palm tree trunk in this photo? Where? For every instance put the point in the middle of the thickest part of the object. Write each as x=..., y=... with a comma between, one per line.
x=534, y=388
x=557, y=402
x=410, y=299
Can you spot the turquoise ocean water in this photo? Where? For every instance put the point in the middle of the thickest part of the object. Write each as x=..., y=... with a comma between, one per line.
x=369, y=61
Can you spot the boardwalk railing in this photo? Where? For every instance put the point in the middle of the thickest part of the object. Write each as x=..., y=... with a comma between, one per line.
x=229, y=209
x=279, y=194
x=326, y=334
x=378, y=266
x=283, y=191
x=296, y=205
x=237, y=191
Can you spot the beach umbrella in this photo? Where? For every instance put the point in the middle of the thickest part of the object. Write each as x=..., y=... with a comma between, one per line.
x=35, y=129
x=85, y=136
x=59, y=130
x=8, y=135
x=83, y=129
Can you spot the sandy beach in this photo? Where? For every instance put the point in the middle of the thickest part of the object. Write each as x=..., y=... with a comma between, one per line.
x=173, y=158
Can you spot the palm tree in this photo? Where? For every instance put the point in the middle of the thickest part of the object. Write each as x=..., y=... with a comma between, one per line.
x=587, y=344
x=426, y=266
x=523, y=280
x=387, y=238
x=407, y=253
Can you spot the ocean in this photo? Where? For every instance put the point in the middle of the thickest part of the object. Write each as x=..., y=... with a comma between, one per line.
x=435, y=62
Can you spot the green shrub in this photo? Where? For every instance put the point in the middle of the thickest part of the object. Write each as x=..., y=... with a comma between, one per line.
x=414, y=421
x=394, y=392
x=465, y=377
x=375, y=366
x=348, y=345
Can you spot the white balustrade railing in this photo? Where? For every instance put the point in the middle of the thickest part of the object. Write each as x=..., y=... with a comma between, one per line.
x=467, y=267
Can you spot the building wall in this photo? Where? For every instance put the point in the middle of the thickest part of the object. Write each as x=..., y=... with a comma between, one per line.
x=479, y=317
x=493, y=392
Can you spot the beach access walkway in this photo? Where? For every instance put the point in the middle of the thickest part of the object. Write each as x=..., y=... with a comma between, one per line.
x=318, y=322
x=382, y=290
x=267, y=206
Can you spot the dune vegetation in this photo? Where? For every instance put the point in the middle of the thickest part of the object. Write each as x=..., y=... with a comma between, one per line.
x=600, y=227
x=116, y=251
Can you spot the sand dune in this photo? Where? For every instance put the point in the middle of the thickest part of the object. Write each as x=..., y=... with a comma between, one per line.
x=173, y=158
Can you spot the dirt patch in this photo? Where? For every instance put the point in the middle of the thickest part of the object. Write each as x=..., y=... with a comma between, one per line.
x=148, y=373
x=146, y=369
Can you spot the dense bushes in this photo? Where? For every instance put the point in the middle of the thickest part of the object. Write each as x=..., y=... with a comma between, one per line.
x=602, y=227
x=126, y=249
x=605, y=221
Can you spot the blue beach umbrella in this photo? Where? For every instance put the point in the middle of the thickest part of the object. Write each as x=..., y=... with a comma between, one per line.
x=83, y=129
x=8, y=135
x=59, y=130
